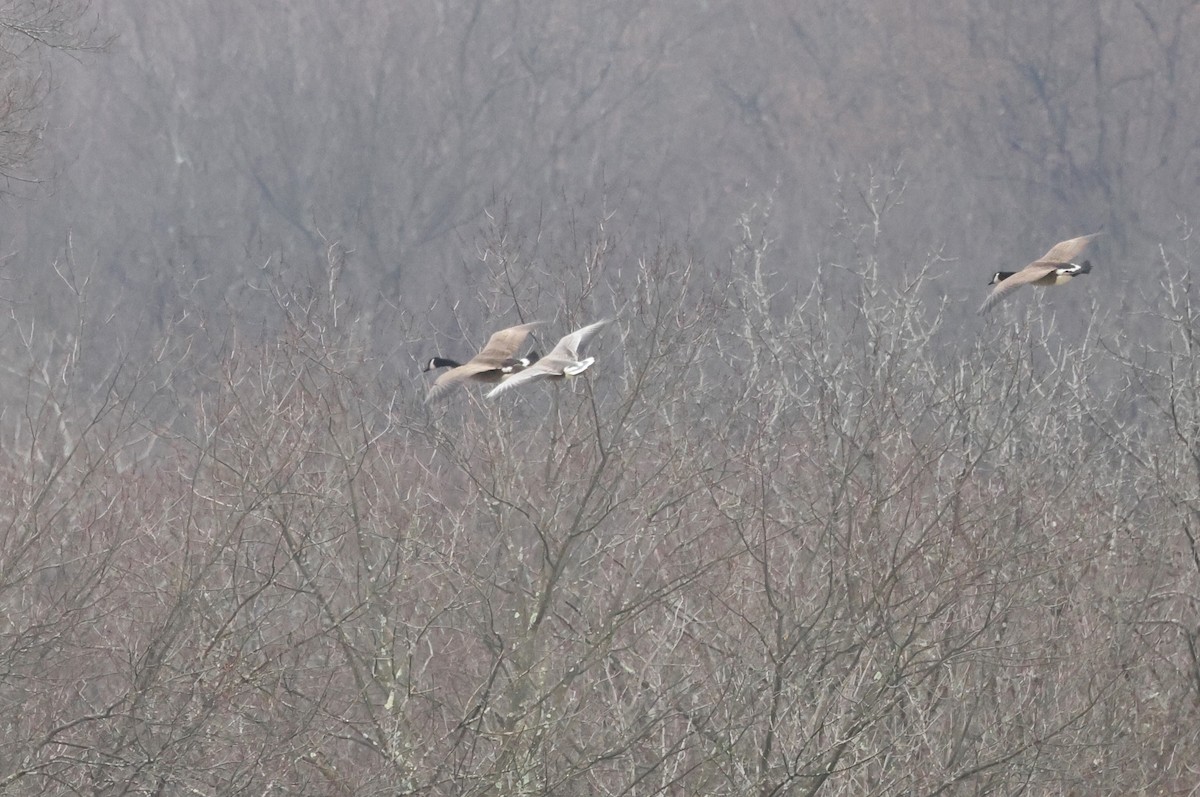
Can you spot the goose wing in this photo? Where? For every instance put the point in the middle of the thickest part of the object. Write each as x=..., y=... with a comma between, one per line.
x=503, y=344
x=1067, y=251
x=539, y=370
x=1031, y=273
x=446, y=382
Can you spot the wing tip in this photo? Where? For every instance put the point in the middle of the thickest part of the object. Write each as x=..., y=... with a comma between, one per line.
x=990, y=301
x=436, y=394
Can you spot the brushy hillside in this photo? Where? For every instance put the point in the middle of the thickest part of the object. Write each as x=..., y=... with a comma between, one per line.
x=775, y=541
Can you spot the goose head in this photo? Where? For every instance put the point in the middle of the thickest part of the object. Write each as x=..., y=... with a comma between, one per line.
x=440, y=362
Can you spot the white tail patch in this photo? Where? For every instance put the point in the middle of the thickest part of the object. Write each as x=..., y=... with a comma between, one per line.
x=579, y=367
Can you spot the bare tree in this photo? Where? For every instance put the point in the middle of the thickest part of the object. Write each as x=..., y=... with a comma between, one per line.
x=773, y=541
x=29, y=31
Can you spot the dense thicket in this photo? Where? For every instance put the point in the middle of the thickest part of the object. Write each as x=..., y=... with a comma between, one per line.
x=768, y=544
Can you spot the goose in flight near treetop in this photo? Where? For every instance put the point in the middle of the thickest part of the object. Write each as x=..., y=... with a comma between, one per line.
x=1056, y=267
x=493, y=364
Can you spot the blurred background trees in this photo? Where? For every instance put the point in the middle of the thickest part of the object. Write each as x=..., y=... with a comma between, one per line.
x=808, y=526
x=213, y=140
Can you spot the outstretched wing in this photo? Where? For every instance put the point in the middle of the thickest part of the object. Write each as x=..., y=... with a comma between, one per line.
x=571, y=345
x=1067, y=251
x=447, y=381
x=504, y=344
x=531, y=374
x=1031, y=273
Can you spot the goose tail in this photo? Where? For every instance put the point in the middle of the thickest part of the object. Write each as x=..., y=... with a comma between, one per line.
x=579, y=367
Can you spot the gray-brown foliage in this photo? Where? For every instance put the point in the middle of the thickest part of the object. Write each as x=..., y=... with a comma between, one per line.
x=801, y=544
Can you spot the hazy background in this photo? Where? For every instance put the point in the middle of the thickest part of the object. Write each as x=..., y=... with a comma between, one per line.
x=212, y=141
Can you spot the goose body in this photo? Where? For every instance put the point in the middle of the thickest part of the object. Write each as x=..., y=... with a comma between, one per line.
x=508, y=366
x=494, y=363
x=564, y=360
x=1056, y=267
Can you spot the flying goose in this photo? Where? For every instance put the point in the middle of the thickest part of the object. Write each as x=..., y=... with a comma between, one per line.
x=493, y=364
x=561, y=362
x=1053, y=268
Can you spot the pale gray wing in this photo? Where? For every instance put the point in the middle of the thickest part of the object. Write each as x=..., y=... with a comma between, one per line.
x=1031, y=273
x=1067, y=251
x=539, y=370
x=570, y=345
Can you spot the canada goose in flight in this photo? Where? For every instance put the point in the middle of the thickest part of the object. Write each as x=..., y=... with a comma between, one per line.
x=1053, y=268
x=493, y=364
x=562, y=361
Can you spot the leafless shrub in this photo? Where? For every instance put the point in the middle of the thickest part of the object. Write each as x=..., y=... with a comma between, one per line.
x=769, y=543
